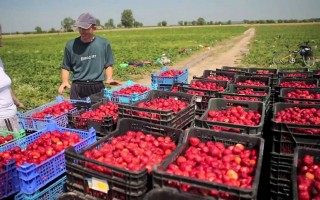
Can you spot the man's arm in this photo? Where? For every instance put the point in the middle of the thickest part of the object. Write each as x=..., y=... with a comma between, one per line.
x=65, y=80
x=108, y=76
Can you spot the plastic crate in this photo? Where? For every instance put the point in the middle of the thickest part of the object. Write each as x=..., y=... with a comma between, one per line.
x=316, y=73
x=263, y=79
x=27, y=122
x=294, y=69
x=76, y=160
x=69, y=196
x=161, y=178
x=230, y=75
x=307, y=74
x=128, y=99
x=97, y=97
x=286, y=142
x=285, y=91
x=16, y=135
x=102, y=127
x=166, y=118
x=308, y=81
x=9, y=180
x=51, y=191
x=164, y=87
x=31, y=176
x=157, y=79
x=281, y=159
x=85, y=186
x=233, y=69
x=280, y=126
x=222, y=104
x=299, y=153
x=257, y=71
x=232, y=92
x=172, y=194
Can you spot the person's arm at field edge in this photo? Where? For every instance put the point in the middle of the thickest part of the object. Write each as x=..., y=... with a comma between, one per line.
x=65, y=81
x=108, y=76
x=16, y=101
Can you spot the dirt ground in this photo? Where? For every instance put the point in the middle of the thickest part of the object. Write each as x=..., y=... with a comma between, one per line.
x=226, y=53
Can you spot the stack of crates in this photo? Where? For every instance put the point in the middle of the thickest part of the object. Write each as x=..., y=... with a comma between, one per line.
x=102, y=125
x=30, y=123
x=285, y=138
x=298, y=166
x=272, y=73
x=194, y=188
x=219, y=104
x=181, y=119
x=109, y=181
x=165, y=82
x=33, y=180
x=113, y=95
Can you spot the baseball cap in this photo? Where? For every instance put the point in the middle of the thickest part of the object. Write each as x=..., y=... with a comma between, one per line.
x=85, y=20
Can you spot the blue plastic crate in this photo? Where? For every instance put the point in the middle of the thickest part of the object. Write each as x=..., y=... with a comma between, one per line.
x=9, y=180
x=50, y=192
x=29, y=123
x=32, y=177
x=129, y=99
x=157, y=79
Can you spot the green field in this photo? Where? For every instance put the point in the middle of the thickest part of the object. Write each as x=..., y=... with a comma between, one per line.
x=270, y=39
x=33, y=61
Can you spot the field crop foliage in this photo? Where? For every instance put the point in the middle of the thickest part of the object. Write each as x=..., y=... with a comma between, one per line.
x=33, y=61
x=274, y=38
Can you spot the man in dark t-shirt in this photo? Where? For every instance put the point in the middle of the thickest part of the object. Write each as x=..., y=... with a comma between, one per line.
x=90, y=60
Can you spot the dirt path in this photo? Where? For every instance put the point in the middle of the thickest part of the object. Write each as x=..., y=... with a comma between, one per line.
x=226, y=53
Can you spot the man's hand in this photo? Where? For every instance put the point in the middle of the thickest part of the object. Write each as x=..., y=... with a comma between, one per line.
x=63, y=86
x=112, y=82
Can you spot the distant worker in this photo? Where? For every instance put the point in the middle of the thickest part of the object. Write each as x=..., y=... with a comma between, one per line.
x=89, y=58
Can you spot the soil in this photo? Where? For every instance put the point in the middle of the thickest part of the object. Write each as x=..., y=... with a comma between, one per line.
x=226, y=53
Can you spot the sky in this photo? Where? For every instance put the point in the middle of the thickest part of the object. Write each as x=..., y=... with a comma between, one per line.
x=25, y=15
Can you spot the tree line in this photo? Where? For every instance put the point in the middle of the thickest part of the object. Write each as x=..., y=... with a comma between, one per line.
x=128, y=21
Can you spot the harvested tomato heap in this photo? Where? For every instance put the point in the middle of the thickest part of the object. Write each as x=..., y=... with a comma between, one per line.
x=136, y=88
x=161, y=104
x=250, y=91
x=302, y=94
x=235, y=115
x=54, y=110
x=232, y=165
x=171, y=73
x=297, y=115
x=43, y=148
x=251, y=83
x=5, y=139
x=297, y=84
x=219, y=78
x=308, y=178
x=133, y=151
x=213, y=86
x=104, y=110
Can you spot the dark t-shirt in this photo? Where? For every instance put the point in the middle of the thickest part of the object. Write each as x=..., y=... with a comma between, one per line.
x=87, y=61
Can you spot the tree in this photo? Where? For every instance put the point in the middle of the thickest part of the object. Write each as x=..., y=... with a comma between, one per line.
x=52, y=30
x=180, y=23
x=127, y=19
x=159, y=23
x=194, y=22
x=110, y=24
x=137, y=24
x=164, y=23
x=201, y=21
x=68, y=23
x=38, y=29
